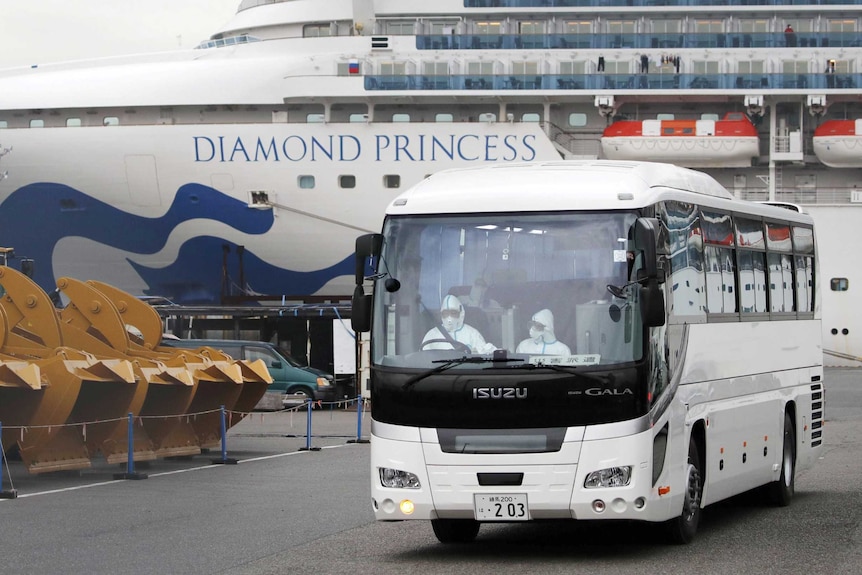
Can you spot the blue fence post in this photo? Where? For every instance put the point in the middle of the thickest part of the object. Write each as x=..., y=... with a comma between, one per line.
x=309, y=404
x=359, y=413
x=130, y=462
x=12, y=493
x=224, y=458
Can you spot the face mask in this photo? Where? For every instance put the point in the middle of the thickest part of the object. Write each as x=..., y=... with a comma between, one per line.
x=449, y=323
x=536, y=333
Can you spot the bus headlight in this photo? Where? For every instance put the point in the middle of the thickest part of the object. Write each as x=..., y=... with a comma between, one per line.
x=610, y=477
x=398, y=479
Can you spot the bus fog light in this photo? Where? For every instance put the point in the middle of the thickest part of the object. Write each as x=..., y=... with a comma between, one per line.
x=598, y=506
x=407, y=507
x=610, y=477
x=398, y=479
x=640, y=502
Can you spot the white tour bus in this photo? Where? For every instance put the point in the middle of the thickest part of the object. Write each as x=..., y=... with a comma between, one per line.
x=586, y=340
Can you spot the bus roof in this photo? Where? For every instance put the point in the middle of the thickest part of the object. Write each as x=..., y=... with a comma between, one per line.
x=568, y=185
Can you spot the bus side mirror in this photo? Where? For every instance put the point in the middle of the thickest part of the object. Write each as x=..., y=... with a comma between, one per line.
x=650, y=294
x=360, y=313
x=368, y=249
x=367, y=255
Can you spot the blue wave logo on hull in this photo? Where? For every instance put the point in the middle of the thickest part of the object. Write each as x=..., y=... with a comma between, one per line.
x=34, y=218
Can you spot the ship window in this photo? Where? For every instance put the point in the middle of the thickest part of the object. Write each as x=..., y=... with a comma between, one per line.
x=393, y=68
x=713, y=117
x=754, y=25
x=315, y=119
x=751, y=67
x=664, y=117
x=708, y=26
x=844, y=25
x=572, y=68
x=306, y=182
x=435, y=69
x=488, y=117
x=347, y=182
x=73, y=122
x=531, y=118
x=3, y=124
x=577, y=120
x=358, y=118
x=577, y=27
x=37, y=123
x=688, y=131
x=666, y=26
x=621, y=27
x=839, y=284
x=488, y=28
x=531, y=27
x=667, y=131
x=392, y=181
x=315, y=30
x=110, y=121
x=443, y=118
x=400, y=28
x=794, y=67
x=525, y=68
x=401, y=117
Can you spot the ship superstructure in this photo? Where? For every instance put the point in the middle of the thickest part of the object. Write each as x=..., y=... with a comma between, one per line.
x=247, y=167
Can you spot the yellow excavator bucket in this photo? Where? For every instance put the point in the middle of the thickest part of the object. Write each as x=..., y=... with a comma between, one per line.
x=70, y=378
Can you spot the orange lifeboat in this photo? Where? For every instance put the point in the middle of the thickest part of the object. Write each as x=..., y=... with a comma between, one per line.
x=838, y=143
x=729, y=142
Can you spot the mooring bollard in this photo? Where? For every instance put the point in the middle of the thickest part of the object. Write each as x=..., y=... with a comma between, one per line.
x=224, y=458
x=358, y=422
x=309, y=405
x=130, y=462
x=12, y=493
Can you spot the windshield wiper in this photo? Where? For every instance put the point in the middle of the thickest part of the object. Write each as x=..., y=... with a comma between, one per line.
x=448, y=363
x=570, y=369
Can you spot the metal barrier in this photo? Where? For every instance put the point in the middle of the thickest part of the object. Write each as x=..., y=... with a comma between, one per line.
x=80, y=429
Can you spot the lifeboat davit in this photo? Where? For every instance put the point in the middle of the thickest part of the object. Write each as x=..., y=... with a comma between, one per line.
x=729, y=142
x=838, y=143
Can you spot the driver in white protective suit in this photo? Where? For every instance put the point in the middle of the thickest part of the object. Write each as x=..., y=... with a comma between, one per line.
x=453, y=330
x=542, y=339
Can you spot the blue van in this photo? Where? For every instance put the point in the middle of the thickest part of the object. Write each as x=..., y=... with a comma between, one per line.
x=288, y=375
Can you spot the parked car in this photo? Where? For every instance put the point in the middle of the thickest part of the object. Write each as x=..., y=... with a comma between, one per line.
x=289, y=376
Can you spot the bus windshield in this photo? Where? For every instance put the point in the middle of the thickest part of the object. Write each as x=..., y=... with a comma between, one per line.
x=530, y=288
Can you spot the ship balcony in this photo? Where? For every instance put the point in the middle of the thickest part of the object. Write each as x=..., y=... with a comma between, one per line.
x=635, y=3
x=763, y=83
x=663, y=41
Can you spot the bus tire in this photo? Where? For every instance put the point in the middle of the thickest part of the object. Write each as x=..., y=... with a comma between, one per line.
x=681, y=530
x=455, y=530
x=781, y=492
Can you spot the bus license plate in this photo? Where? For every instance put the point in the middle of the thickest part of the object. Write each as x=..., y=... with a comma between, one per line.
x=501, y=507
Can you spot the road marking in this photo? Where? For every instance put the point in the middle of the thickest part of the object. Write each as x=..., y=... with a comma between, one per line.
x=164, y=473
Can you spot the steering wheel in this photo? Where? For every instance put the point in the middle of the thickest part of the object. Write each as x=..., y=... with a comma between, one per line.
x=457, y=345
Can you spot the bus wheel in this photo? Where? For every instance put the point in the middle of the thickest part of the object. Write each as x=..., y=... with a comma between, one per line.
x=681, y=529
x=781, y=491
x=455, y=530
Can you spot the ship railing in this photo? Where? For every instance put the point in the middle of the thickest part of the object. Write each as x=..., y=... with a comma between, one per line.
x=662, y=80
x=798, y=195
x=655, y=41
x=636, y=3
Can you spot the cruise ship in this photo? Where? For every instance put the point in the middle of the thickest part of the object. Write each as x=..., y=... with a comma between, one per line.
x=245, y=168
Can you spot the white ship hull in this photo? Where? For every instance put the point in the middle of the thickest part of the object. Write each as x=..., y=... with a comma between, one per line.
x=365, y=98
